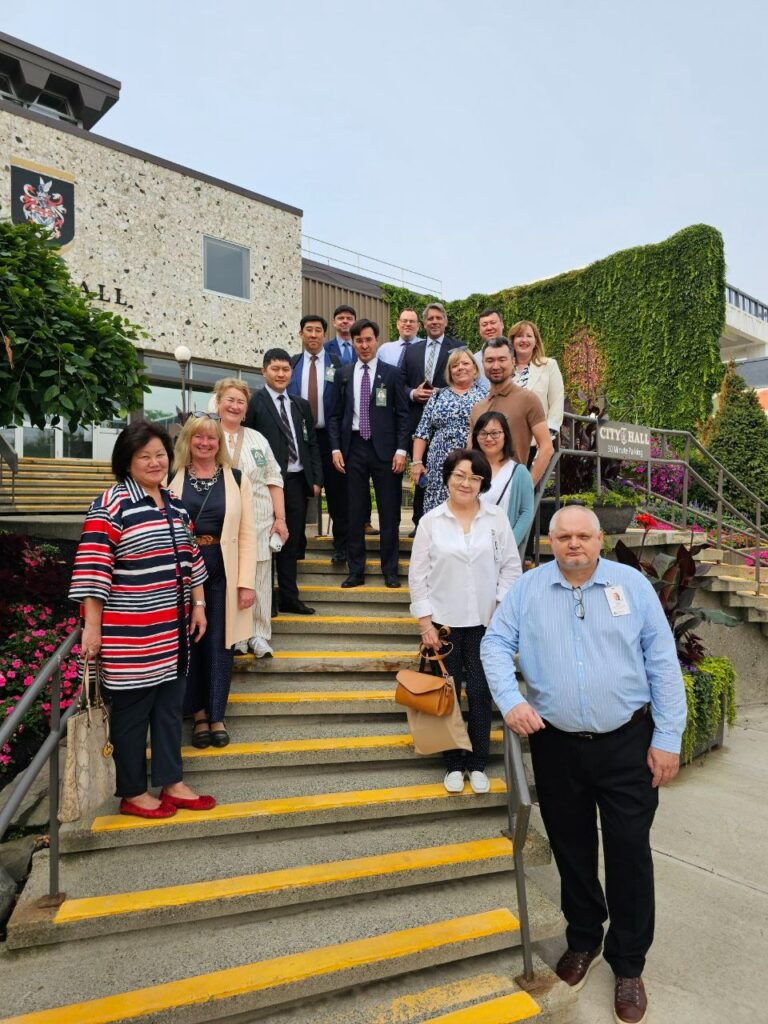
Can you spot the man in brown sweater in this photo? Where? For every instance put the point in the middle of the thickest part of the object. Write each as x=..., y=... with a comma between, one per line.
x=523, y=410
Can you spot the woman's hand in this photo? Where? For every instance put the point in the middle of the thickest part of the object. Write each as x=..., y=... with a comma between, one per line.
x=90, y=643
x=245, y=597
x=430, y=638
x=417, y=471
x=197, y=623
x=279, y=527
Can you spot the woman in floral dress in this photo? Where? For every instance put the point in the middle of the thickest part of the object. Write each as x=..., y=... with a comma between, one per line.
x=444, y=424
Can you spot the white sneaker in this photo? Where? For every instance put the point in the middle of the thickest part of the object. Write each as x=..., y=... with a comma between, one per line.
x=260, y=647
x=242, y=647
x=479, y=782
x=454, y=782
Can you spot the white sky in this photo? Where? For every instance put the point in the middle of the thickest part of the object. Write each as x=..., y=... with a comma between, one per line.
x=486, y=143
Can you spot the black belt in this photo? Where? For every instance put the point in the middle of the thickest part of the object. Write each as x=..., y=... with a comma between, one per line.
x=638, y=716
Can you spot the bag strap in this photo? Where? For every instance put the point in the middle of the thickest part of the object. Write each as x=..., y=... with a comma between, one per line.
x=506, y=485
x=444, y=632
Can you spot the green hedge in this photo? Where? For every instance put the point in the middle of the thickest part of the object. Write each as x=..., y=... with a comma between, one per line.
x=657, y=312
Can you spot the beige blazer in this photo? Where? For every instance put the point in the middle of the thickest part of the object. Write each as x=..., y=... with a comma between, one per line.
x=238, y=549
x=546, y=382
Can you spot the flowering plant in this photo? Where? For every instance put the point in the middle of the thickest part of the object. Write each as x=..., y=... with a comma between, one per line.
x=666, y=481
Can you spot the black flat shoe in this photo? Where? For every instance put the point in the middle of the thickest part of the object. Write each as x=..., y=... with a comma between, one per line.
x=392, y=582
x=298, y=608
x=219, y=738
x=353, y=581
x=201, y=739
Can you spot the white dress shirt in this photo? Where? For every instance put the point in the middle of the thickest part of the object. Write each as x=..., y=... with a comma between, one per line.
x=305, y=372
x=296, y=466
x=392, y=351
x=460, y=578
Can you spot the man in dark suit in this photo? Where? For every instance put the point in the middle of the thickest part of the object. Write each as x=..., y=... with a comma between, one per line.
x=286, y=422
x=369, y=434
x=313, y=377
x=422, y=370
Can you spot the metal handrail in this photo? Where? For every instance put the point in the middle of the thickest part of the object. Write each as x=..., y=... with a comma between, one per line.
x=11, y=459
x=518, y=816
x=49, y=751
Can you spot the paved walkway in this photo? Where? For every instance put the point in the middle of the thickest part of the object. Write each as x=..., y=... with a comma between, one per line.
x=708, y=963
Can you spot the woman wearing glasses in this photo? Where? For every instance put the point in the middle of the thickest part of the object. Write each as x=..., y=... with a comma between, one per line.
x=220, y=503
x=463, y=562
x=250, y=452
x=511, y=486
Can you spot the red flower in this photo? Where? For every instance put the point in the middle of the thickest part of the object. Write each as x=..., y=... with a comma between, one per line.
x=646, y=521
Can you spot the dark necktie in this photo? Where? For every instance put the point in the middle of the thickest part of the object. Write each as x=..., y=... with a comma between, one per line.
x=293, y=455
x=365, y=405
x=403, y=350
x=312, y=389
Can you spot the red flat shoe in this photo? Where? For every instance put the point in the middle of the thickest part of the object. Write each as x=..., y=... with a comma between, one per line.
x=200, y=803
x=165, y=810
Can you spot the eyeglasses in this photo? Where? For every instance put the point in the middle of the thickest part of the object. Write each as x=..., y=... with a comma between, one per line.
x=579, y=599
x=490, y=435
x=462, y=478
x=205, y=416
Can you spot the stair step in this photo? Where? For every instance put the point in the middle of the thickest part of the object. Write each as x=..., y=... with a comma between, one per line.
x=323, y=567
x=391, y=660
x=347, y=625
x=318, y=949
x=305, y=702
x=368, y=638
x=285, y=812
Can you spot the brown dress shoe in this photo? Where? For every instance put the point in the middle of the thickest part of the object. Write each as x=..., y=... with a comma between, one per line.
x=630, y=1002
x=574, y=966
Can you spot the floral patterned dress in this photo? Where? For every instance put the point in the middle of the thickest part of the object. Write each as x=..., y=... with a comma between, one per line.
x=444, y=425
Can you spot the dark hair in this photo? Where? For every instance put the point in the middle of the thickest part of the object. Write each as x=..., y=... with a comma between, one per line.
x=480, y=466
x=483, y=421
x=133, y=437
x=498, y=342
x=313, y=318
x=359, y=326
x=489, y=312
x=343, y=309
x=275, y=355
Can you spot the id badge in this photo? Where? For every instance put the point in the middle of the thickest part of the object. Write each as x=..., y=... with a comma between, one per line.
x=304, y=432
x=617, y=601
x=258, y=456
x=330, y=374
x=381, y=396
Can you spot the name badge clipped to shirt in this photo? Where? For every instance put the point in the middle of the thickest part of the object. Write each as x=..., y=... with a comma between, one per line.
x=304, y=432
x=330, y=374
x=617, y=602
x=497, y=549
x=381, y=396
x=258, y=456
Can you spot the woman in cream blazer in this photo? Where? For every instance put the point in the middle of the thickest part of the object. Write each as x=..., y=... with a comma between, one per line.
x=537, y=373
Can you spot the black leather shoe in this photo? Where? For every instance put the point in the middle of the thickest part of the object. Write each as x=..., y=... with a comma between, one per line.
x=392, y=582
x=339, y=558
x=219, y=738
x=297, y=607
x=353, y=580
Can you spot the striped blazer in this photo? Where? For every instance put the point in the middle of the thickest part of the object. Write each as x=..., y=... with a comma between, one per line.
x=128, y=558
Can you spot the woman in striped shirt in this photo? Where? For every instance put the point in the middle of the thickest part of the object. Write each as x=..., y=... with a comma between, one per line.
x=139, y=577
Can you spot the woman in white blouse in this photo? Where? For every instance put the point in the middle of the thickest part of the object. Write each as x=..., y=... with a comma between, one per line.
x=250, y=452
x=464, y=560
x=537, y=373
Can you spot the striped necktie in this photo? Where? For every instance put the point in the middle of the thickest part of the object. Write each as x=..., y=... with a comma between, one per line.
x=293, y=455
x=429, y=366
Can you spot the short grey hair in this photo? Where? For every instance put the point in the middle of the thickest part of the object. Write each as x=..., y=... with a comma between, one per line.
x=434, y=305
x=595, y=522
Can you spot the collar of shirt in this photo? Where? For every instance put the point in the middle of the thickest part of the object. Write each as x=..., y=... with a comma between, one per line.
x=443, y=510
x=372, y=365
x=599, y=577
x=308, y=358
x=137, y=492
x=437, y=341
x=275, y=394
x=341, y=343
x=503, y=390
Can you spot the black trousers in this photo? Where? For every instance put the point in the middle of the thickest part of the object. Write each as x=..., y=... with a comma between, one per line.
x=576, y=779
x=133, y=712
x=211, y=661
x=296, y=493
x=335, y=485
x=363, y=464
x=464, y=664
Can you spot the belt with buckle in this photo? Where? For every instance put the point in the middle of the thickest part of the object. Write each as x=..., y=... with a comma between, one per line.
x=206, y=538
x=638, y=716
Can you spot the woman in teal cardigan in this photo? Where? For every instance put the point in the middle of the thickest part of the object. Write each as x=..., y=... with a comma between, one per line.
x=512, y=485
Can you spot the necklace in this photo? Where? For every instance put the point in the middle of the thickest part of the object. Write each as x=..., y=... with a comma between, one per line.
x=204, y=485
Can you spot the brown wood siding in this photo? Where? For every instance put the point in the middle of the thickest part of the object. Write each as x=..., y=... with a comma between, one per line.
x=323, y=296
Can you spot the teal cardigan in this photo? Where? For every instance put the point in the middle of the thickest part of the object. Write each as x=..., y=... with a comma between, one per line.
x=520, y=507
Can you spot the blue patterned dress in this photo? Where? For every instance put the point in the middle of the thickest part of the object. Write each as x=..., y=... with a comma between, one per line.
x=444, y=425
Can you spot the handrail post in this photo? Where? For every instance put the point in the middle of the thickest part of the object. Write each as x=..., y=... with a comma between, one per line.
x=53, y=788
x=758, y=549
x=687, y=457
x=719, y=520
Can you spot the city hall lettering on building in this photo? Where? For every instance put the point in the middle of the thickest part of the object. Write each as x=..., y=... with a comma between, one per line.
x=623, y=441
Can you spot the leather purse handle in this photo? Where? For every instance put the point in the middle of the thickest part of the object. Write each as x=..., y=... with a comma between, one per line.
x=445, y=649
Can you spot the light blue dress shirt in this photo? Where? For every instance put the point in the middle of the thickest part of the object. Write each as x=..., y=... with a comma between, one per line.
x=590, y=674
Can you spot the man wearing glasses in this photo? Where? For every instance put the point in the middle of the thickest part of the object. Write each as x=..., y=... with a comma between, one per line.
x=605, y=714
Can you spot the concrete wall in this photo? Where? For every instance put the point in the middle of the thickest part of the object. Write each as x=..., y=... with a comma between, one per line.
x=746, y=645
x=139, y=228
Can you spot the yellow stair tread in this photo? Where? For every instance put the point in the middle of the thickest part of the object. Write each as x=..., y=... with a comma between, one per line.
x=400, y=739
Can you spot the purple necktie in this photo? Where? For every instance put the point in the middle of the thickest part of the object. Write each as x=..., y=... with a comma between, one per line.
x=365, y=402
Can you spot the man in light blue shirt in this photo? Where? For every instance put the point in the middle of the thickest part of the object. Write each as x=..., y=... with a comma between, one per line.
x=605, y=714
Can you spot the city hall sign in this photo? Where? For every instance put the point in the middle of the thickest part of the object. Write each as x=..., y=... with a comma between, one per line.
x=623, y=441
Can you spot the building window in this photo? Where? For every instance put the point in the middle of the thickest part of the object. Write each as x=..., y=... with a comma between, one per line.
x=226, y=268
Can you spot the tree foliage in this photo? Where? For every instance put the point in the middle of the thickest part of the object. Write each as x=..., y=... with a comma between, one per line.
x=61, y=359
x=656, y=311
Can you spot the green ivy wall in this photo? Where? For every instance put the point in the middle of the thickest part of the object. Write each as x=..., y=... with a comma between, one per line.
x=657, y=312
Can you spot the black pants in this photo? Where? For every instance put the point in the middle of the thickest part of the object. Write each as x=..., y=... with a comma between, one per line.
x=576, y=778
x=363, y=464
x=464, y=664
x=335, y=485
x=133, y=712
x=211, y=662
x=296, y=493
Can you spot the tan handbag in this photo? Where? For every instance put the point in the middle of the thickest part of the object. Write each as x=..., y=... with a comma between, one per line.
x=89, y=771
x=424, y=691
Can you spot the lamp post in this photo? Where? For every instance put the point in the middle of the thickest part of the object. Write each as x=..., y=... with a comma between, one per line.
x=183, y=357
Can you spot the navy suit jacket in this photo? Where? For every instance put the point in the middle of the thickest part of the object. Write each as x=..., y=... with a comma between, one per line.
x=390, y=423
x=264, y=417
x=329, y=386
x=333, y=348
x=412, y=371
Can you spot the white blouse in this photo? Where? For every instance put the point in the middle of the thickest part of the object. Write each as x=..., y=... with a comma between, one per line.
x=459, y=578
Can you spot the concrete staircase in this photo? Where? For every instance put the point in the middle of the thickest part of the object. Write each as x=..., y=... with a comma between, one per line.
x=59, y=485
x=735, y=583
x=335, y=883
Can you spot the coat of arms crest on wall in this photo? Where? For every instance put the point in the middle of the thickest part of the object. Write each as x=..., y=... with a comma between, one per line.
x=44, y=196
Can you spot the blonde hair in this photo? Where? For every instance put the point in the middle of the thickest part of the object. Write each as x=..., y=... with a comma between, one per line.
x=231, y=382
x=182, y=454
x=453, y=357
x=538, y=356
